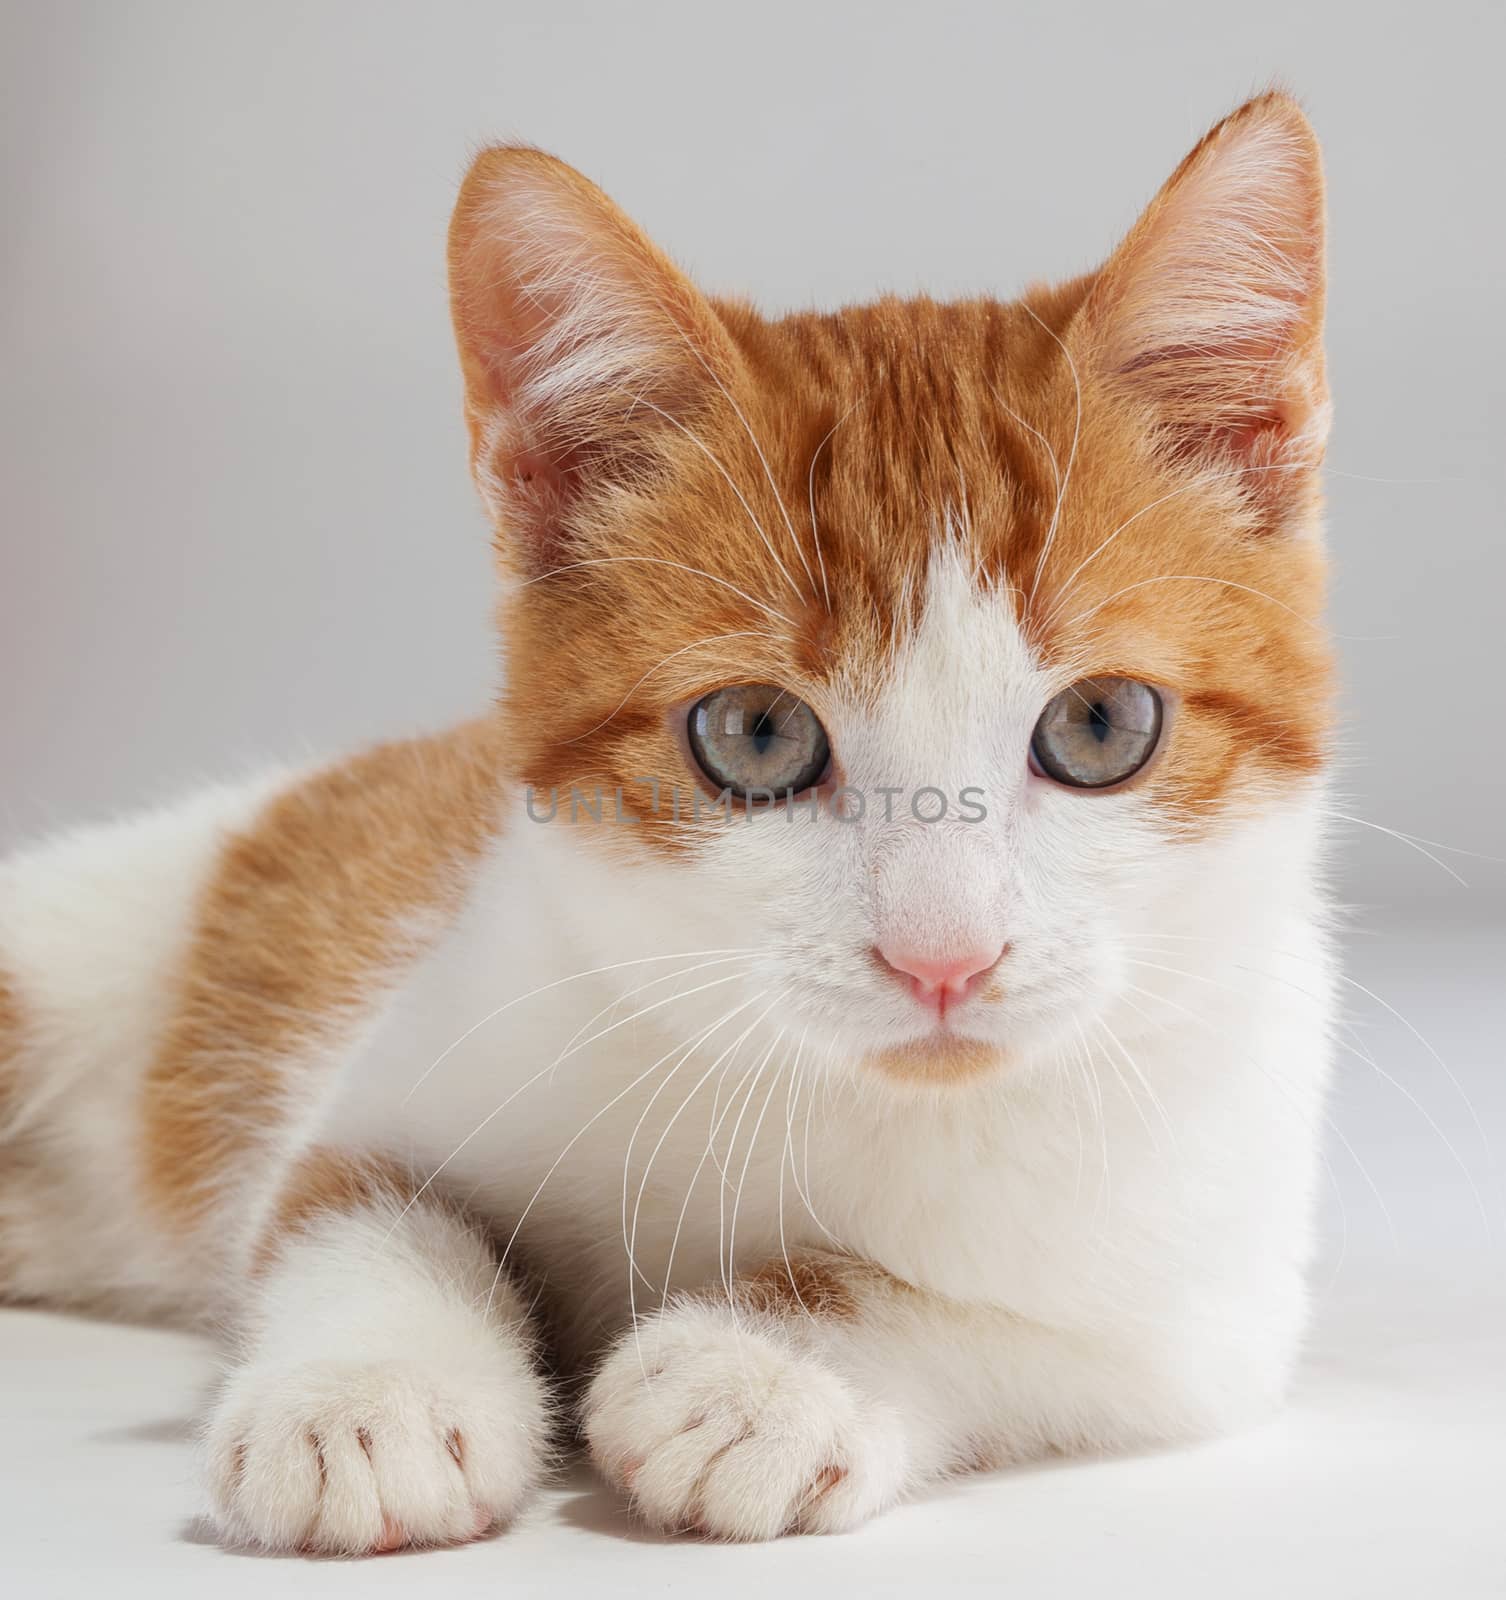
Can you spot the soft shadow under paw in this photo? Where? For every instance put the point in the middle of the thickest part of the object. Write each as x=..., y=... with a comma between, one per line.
x=201, y=1531
x=169, y=1430
x=584, y=1502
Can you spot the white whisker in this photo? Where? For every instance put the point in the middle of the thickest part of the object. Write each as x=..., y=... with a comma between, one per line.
x=528, y=1083
x=1226, y=583
x=585, y=1127
x=742, y=1176
x=684, y=1048
x=1424, y=847
x=807, y=1076
x=674, y=1243
x=810, y=493
x=1362, y=1055
x=1104, y=1200
x=660, y=561
x=715, y=638
x=768, y=473
x=787, y=1157
x=1284, y=1088
x=592, y=972
x=630, y=1235
x=1129, y=1093
x=711, y=456
x=1202, y=481
x=1066, y=478
x=724, y=1263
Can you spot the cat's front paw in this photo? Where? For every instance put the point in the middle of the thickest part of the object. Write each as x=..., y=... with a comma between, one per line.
x=721, y=1426
x=350, y=1459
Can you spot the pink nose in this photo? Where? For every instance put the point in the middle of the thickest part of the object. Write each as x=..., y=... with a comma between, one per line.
x=937, y=981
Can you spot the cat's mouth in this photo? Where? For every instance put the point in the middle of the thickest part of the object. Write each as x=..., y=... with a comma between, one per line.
x=937, y=1059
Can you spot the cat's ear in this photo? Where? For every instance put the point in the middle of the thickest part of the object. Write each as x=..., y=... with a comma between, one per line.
x=1209, y=316
x=582, y=346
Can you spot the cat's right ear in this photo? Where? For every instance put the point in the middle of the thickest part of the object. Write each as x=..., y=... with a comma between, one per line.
x=584, y=349
x=1209, y=316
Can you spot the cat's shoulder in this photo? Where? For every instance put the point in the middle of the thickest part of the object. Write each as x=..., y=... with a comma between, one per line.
x=310, y=910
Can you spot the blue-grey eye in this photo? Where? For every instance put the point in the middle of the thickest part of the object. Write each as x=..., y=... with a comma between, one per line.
x=1097, y=733
x=754, y=736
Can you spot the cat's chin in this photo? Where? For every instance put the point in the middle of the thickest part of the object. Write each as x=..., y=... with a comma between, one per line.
x=938, y=1060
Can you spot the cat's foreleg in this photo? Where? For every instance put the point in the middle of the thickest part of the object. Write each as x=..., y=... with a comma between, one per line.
x=823, y=1390
x=384, y=1389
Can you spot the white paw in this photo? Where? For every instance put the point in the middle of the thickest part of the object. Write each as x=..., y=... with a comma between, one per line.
x=349, y=1459
x=735, y=1433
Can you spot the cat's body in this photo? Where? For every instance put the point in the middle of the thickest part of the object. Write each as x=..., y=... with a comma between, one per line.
x=360, y=1060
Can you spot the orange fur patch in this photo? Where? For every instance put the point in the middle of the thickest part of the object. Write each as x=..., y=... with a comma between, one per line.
x=340, y=880
x=10, y=1049
x=940, y=1061
x=810, y=1283
x=17, y=1172
x=325, y=1183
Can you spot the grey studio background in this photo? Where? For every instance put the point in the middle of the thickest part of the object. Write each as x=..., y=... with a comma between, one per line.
x=237, y=525
x=237, y=519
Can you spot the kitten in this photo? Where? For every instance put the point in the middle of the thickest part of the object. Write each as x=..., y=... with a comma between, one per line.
x=861, y=1001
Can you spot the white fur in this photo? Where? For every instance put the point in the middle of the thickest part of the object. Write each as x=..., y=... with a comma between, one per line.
x=384, y=1391
x=735, y=1431
x=1104, y=1237
x=94, y=926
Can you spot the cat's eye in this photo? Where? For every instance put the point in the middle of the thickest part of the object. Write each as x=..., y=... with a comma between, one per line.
x=1097, y=733
x=754, y=736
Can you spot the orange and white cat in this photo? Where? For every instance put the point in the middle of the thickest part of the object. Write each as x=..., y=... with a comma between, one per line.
x=817, y=1005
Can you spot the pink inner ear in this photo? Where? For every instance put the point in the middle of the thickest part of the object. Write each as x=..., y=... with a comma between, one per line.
x=582, y=345
x=1210, y=313
x=1264, y=438
x=538, y=502
x=536, y=474
x=1253, y=438
x=1264, y=448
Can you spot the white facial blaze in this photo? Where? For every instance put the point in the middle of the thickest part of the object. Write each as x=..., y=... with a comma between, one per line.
x=1067, y=883
x=948, y=728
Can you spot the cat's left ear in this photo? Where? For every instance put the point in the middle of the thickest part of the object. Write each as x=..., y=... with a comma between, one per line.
x=584, y=349
x=1209, y=316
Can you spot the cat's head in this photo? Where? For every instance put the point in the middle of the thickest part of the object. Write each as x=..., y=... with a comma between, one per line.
x=1014, y=604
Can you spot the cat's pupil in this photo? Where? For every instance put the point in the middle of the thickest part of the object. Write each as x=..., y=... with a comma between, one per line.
x=1098, y=722
x=762, y=733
